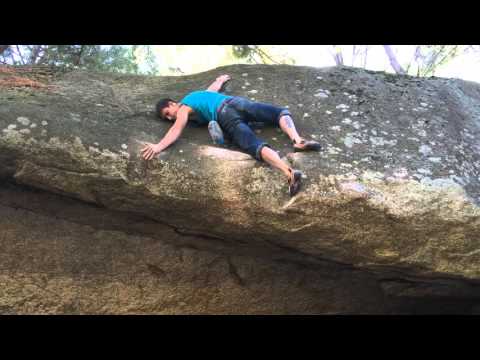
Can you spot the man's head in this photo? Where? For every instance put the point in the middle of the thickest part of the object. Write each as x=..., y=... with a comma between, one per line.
x=167, y=109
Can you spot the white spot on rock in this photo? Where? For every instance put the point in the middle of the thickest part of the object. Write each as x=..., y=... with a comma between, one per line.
x=354, y=113
x=99, y=105
x=252, y=91
x=347, y=121
x=12, y=126
x=244, y=87
x=33, y=126
x=306, y=115
x=435, y=159
x=336, y=128
x=180, y=151
x=321, y=95
x=44, y=123
x=328, y=112
x=96, y=144
x=319, y=78
x=260, y=78
x=425, y=149
x=247, y=83
x=124, y=147
x=25, y=131
x=424, y=171
x=300, y=105
x=349, y=141
x=342, y=106
x=401, y=173
x=424, y=104
x=381, y=141
x=244, y=74
x=23, y=120
x=274, y=138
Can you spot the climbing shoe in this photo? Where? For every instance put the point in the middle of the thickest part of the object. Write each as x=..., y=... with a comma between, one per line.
x=294, y=181
x=307, y=145
x=216, y=132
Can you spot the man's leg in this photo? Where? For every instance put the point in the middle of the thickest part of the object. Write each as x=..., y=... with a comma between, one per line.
x=271, y=157
x=271, y=114
x=288, y=127
x=294, y=176
x=246, y=139
x=300, y=144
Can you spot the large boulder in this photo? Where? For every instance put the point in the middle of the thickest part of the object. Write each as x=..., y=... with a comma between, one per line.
x=395, y=193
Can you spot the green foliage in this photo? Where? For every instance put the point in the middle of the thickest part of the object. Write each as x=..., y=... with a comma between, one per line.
x=241, y=51
x=114, y=58
x=259, y=54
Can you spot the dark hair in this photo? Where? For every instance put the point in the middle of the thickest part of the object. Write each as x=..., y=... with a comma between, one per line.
x=161, y=104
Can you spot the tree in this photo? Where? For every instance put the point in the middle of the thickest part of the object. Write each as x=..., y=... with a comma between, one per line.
x=115, y=58
x=393, y=60
x=430, y=57
x=3, y=48
x=337, y=54
x=258, y=54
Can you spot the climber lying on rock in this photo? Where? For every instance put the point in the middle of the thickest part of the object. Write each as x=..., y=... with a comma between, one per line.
x=231, y=114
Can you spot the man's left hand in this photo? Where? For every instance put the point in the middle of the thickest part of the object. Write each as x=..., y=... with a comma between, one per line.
x=223, y=78
x=150, y=150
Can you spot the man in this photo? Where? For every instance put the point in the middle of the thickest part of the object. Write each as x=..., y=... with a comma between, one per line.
x=231, y=114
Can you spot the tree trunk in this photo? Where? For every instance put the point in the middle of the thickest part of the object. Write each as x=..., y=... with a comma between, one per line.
x=393, y=60
x=34, y=55
x=3, y=48
x=337, y=55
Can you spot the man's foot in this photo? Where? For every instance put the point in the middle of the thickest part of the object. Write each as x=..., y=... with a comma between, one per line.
x=306, y=145
x=294, y=181
x=216, y=132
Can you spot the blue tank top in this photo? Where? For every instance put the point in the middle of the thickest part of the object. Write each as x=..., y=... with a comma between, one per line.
x=205, y=104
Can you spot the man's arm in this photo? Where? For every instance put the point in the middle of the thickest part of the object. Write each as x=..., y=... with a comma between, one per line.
x=217, y=84
x=150, y=150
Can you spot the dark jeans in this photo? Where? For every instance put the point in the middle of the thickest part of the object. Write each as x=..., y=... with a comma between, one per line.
x=234, y=117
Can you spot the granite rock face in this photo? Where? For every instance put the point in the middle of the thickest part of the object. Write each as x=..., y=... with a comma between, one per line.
x=391, y=204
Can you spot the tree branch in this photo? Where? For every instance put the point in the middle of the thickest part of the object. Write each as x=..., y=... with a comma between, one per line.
x=264, y=55
x=20, y=55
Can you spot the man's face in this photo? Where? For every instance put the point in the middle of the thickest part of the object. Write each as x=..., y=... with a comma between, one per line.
x=170, y=112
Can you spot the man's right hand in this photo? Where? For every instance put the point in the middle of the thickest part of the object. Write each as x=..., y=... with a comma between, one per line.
x=150, y=150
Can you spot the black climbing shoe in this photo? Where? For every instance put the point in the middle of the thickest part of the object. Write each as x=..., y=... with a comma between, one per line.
x=294, y=182
x=307, y=145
